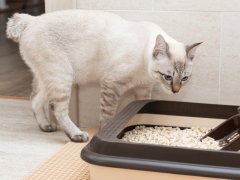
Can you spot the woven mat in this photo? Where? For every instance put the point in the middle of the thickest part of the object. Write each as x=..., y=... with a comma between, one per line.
x=66, y=164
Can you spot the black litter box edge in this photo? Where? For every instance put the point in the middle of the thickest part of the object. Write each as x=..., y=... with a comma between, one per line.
x=104, y=148
x=159, y=166
x=188, y=109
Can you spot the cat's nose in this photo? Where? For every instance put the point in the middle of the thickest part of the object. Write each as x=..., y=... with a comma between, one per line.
x=175, y=91
x=176, y=88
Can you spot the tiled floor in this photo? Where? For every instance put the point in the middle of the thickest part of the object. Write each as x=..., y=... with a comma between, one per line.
x=23, y=147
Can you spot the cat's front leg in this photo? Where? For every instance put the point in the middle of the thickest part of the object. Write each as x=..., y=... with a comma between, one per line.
x=111, y=91
x=39, y=105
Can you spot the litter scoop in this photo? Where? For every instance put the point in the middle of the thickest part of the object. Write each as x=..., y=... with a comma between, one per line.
x=227, y=133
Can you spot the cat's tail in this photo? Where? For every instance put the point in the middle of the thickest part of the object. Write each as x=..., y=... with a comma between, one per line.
x=16, y=25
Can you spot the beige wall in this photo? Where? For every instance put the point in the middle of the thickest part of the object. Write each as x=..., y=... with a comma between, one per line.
x=216, y=73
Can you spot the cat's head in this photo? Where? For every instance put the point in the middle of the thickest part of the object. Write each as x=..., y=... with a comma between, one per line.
x=172, y=64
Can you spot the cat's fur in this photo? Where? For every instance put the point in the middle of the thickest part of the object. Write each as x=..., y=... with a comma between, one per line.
x=76, y=46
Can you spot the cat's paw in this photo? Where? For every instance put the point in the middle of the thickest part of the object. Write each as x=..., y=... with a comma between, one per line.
x=80, y=137
x=48, y=127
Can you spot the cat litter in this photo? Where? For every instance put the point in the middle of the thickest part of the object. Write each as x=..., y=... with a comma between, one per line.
x=172, y=136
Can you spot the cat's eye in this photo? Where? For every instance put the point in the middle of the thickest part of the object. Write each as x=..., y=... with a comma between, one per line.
x=185, y=78
x=167, y=77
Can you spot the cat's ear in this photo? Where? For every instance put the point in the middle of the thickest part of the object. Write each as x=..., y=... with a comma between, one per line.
x=161, y=47
x=192, y=49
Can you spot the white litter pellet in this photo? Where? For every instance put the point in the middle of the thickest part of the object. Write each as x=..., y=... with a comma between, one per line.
x=172, y=136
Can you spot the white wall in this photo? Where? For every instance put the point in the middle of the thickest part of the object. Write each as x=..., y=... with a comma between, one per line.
x=216, y=74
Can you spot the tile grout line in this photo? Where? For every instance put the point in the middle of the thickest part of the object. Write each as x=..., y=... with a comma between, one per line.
x=76, y=4
x=220, y=61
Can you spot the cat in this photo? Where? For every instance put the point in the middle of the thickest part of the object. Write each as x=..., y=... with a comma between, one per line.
x=80, y=46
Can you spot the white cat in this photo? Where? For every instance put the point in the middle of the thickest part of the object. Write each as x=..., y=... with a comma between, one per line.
x=77, y=46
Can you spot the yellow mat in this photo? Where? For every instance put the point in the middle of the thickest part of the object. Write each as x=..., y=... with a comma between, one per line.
x=66, y=164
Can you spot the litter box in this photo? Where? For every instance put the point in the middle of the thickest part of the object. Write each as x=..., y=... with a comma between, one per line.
x=110, y=157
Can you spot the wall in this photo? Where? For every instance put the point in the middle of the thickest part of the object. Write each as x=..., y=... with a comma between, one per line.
x=216, y=73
